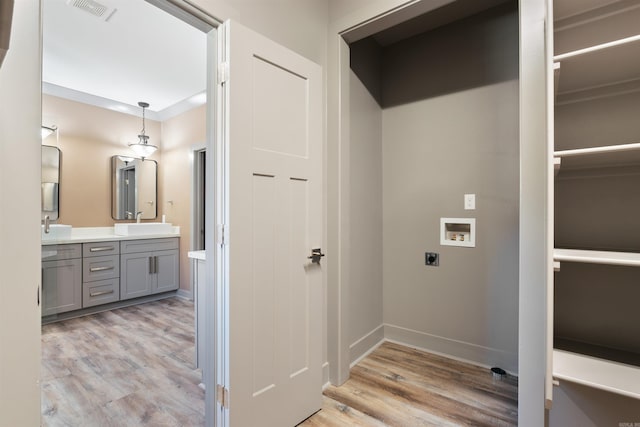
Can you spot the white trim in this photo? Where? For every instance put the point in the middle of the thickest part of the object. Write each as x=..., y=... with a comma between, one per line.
x=180, y=107
x=365, y=345
x=453, y=349
x=185, y=294
x=596, y=48
x=325, y=375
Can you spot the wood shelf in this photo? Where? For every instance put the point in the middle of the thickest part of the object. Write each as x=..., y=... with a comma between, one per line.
x=598, y=373
x=631, y=259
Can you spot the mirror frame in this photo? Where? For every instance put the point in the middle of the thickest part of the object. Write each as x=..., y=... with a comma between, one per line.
x=151, y=212
x=50, y=194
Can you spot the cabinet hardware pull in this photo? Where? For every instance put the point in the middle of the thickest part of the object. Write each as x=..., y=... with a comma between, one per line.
x=101, y=248
x=94, y=269
x=150, y=265
x=97, y=294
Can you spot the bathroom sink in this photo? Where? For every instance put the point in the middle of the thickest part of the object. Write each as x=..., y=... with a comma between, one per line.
x=56, y=232
x=142, y=228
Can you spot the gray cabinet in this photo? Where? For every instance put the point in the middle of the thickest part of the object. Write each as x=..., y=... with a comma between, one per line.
x=100, y=273
x=148, y=267
x=61, y=278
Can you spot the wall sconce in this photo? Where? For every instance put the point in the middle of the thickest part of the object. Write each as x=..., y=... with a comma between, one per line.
x=142, y=148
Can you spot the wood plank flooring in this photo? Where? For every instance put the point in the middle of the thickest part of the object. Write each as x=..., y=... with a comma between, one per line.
x=127, y=367
x=400, y=386
x=134, y=367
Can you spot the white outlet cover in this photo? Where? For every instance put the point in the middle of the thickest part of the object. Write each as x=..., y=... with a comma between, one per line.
x=469, y=202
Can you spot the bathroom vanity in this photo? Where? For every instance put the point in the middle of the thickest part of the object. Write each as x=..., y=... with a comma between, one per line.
x=94, y=269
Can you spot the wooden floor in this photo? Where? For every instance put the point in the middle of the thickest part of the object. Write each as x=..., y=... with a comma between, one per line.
x=134, y=367
x=126, y=367
x=400, y=386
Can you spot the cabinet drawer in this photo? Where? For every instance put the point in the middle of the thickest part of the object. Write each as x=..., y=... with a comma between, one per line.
x=58, y=252
x=148, y=245
x=100, y=292
x=100, y=268
x=100, y=249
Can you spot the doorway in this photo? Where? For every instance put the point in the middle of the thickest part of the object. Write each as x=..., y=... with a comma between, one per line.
x=166, y=205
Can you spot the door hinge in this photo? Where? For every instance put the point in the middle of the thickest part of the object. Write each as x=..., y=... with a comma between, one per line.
x=223, y=396
x=223, y=72
x=222, y=238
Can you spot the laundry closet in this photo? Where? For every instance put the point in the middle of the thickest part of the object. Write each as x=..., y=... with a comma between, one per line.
x=596, y=205
x=433, y=117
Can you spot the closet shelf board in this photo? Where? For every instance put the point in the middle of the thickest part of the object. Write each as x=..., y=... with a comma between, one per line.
x=597, y=257
x=597, y=373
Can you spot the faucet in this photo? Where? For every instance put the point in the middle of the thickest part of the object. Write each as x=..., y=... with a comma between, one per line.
x=138, y=216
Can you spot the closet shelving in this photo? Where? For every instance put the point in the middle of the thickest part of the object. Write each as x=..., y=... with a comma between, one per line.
x=588, y=72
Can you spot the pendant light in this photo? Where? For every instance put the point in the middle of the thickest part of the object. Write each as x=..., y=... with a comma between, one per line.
x=142, y=148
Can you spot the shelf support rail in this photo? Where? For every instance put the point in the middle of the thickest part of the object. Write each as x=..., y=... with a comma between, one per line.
x=596, y=48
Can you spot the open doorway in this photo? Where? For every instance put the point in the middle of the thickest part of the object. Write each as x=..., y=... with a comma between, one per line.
x=94, y=112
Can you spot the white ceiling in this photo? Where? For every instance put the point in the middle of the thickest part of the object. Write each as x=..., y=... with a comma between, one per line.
x=139, y=53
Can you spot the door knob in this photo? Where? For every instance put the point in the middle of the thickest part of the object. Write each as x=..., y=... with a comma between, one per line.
x=316, y=254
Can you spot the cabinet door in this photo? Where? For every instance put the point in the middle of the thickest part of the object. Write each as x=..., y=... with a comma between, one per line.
x=167, y=277
x=61, y=286
x=135, y=275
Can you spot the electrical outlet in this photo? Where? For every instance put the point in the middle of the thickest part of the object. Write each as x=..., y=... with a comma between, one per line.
x=432, y=259
x=469, y=202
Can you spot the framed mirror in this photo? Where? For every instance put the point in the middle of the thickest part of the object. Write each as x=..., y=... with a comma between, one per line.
x=134, y=188
x=50, y=183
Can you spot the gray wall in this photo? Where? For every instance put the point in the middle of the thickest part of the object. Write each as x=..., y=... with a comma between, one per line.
x=452, y=129
x=365, y=284
x=575, y=405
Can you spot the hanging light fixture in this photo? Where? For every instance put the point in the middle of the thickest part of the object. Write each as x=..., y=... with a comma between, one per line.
x=142, y=148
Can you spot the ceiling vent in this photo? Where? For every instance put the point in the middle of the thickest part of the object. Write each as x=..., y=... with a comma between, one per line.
x=98, y=10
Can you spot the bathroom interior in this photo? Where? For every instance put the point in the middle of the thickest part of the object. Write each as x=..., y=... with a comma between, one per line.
x=120, y=229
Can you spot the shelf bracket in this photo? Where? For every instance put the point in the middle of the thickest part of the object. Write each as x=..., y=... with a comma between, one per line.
x=557, y=161
x=556, y=266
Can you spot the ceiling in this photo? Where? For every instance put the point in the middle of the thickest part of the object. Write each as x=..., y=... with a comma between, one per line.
x=133, y=52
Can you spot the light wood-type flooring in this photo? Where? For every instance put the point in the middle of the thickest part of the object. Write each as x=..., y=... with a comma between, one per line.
x=134, y=367
x=403, y=387
x=127, y=367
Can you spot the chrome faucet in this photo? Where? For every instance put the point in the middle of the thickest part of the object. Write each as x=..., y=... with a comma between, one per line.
x=138, y=216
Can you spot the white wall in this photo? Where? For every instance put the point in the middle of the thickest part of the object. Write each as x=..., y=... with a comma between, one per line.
x=300, y=25
x=20, y=220
x=365, y=284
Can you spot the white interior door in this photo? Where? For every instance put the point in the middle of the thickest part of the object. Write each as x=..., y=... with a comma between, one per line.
x=273, y=292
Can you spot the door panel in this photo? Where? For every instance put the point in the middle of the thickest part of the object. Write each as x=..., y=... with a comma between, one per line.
x=274, y=292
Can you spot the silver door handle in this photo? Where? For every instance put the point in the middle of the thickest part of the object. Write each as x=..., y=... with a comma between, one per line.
x=94, y=269
x=97, y=294
x=101, y=248
x=316, y=254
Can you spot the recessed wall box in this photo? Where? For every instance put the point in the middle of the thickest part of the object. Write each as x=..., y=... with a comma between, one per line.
x=458, y=232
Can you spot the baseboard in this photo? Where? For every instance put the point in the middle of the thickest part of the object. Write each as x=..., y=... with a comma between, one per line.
x=185, y=293
x=325, y=375
x=365, y=345
x=453, y=349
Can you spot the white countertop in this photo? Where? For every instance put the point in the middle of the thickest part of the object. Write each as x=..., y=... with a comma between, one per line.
x=197, y=255
x=104, y=234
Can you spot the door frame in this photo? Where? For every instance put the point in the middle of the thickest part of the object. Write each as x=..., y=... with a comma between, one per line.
x=534, y=171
